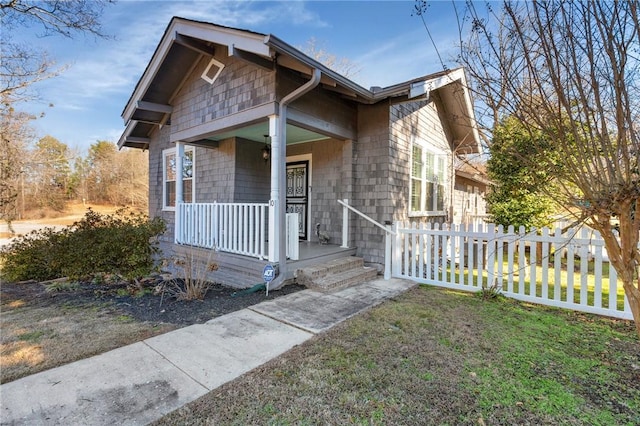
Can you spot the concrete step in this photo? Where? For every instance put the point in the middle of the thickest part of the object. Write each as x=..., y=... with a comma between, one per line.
x=335, y=274
x=334, y=266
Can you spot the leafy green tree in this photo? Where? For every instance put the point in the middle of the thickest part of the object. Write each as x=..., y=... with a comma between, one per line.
x=517, y=195
x=102, y=174
x=52, y=172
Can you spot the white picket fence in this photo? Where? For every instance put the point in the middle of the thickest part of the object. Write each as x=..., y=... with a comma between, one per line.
x=239, y=228
x=561, y=270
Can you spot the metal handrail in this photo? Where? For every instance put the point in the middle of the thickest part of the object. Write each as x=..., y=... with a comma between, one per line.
x=387, y=236
x=379, y=225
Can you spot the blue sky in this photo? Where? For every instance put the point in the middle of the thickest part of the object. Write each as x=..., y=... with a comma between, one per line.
x=388, y=44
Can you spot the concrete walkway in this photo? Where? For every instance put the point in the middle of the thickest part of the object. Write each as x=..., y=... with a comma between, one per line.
x=139, y=383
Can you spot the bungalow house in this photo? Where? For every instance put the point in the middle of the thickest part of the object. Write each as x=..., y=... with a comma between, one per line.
x=258, y=151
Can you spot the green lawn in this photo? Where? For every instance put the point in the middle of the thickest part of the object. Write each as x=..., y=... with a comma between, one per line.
x=438, y=357
x=522, y=277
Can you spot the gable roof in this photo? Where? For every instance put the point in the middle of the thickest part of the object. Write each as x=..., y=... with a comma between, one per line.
x=185, y=41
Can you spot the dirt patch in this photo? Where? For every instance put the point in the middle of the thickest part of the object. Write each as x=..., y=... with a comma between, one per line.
x=71, y=213
x=43, y=329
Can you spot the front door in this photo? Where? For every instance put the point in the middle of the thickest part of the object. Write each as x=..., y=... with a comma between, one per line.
x=297, y=193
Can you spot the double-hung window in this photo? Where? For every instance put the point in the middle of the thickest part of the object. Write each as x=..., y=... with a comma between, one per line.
x=170, y=175
x=428, y=179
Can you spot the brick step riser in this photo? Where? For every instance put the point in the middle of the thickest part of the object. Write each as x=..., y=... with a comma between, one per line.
x=345, y=282
x=334, y=269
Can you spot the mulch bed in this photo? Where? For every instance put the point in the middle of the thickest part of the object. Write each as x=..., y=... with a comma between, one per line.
x=147, y=305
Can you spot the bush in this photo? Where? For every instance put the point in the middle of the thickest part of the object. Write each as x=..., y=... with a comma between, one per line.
x=192, y=282
x=123, y=243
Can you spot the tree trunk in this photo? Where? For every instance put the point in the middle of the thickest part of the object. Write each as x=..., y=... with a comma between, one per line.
x=633, y=296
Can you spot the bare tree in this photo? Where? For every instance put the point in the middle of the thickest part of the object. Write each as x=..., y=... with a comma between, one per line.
x=343, y=66
x=23, y=65
x=117, y=177
x=14, y=131
x=571, y=72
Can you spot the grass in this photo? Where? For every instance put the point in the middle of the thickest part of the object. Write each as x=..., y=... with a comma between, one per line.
x=34, y=339
x=438, y=357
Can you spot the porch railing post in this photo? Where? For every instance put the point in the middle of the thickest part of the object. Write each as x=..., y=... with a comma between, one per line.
x=397, y=252
x=176, y=226
x=345, y=225
x=387, y=253
x=178, y=236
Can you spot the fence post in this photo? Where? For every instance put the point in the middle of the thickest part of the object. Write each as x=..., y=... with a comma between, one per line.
x=397, y=250
x=490, y=254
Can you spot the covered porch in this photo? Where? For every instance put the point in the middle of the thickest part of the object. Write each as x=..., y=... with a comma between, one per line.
x=239, y=263
x=235, y=237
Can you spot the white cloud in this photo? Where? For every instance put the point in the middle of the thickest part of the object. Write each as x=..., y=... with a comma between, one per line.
x=115, y=66
x=404, y=57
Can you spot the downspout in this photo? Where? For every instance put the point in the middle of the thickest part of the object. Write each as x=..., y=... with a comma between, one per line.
x=282, y=180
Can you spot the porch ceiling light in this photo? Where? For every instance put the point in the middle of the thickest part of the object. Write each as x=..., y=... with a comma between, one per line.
x=266, y=151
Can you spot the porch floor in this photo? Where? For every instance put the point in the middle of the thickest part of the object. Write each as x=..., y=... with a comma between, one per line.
x=313, y=250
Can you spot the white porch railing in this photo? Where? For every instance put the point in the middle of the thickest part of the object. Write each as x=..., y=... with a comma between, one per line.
x=388, y=232
x=567, y=271
x=239, y=228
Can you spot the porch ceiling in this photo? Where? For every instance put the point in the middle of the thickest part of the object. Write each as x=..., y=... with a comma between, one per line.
x=256, y=132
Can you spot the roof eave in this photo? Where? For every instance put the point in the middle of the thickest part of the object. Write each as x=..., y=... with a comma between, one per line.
x=250, y=41
x=283, y=47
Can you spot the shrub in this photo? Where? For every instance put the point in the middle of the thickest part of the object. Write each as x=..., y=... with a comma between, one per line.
x=123, y=243
x=191, y=282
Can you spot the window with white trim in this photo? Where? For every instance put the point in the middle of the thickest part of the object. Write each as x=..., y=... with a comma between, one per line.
x=428, y=179
x=169, y=177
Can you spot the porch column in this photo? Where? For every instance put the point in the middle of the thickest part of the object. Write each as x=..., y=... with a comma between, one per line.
x=276, y=160
x=179, y=191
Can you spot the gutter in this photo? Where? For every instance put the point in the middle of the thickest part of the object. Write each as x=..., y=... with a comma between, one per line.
x=284, y=48
x=281, y=150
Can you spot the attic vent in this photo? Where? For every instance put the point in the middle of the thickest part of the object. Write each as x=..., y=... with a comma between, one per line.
x=213, y=70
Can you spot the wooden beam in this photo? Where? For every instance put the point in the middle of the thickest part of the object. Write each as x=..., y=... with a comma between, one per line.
x=251, y=58
x=206, y=143
x=152, y=106
x=293, y=64
x=142, y=120
x=194, y=44
x=136, y=139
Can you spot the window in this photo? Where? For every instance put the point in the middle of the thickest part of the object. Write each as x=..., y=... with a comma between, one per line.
x=427, y=182
x=213, y=70
x=169, y=176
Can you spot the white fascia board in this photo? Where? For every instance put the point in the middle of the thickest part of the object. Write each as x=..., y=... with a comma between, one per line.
x=127, y=131
x=470, y=111
x=230, y=37
x=421, y=88
x=424, y=87
x=150, y=72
